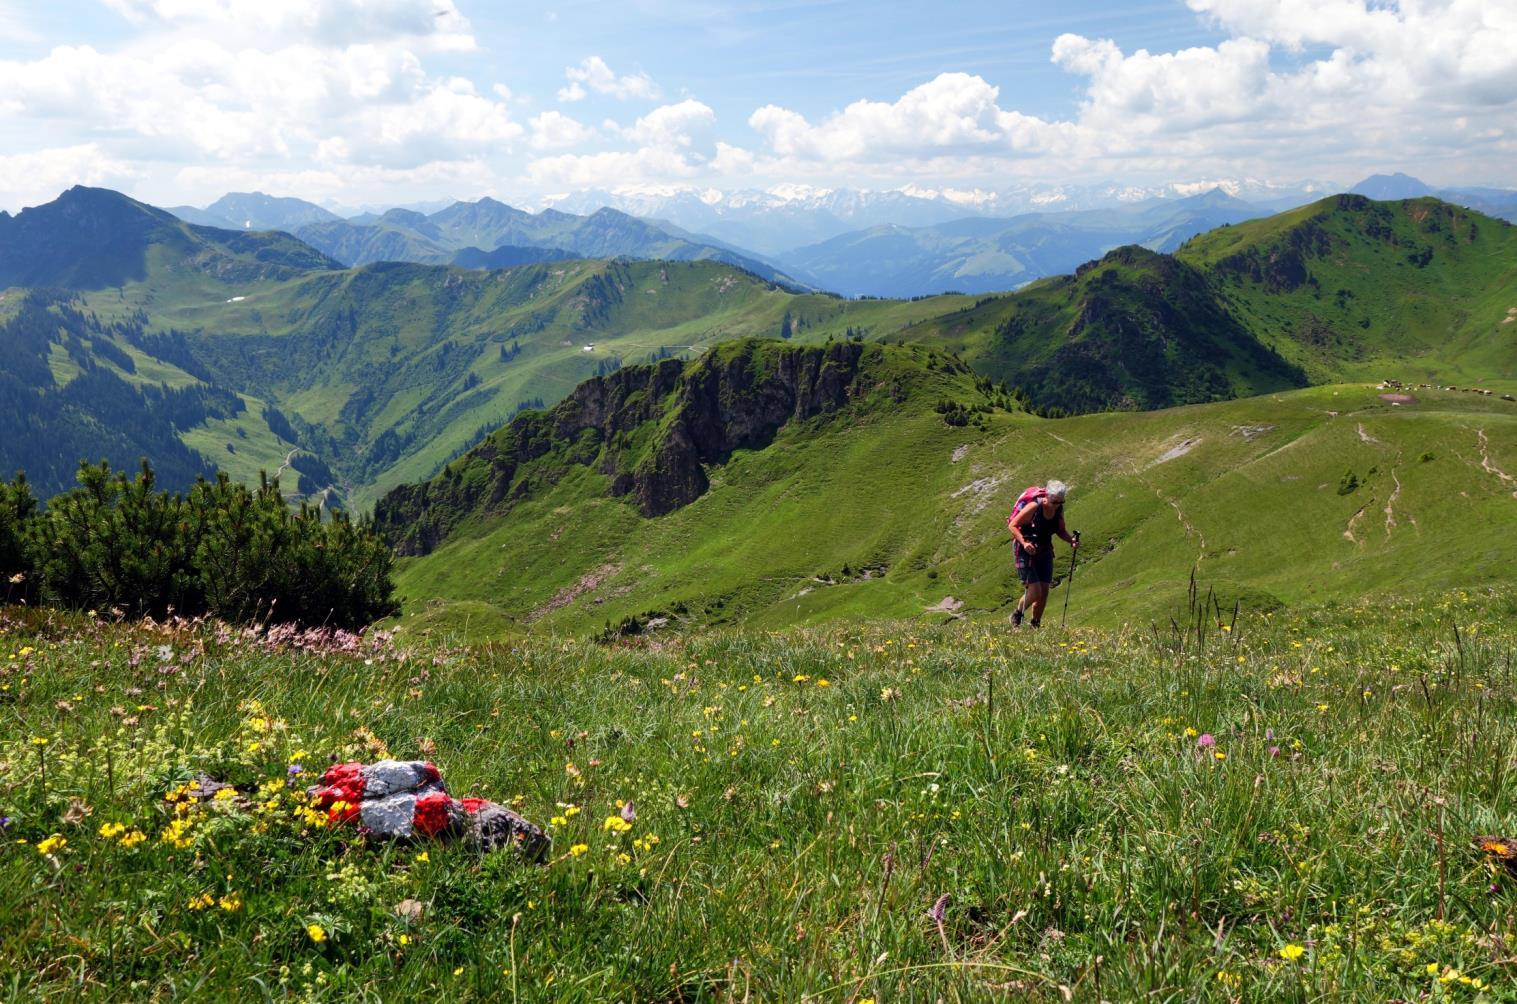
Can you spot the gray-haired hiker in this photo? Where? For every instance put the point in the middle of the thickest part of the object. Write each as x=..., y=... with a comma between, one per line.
x=1039, y=516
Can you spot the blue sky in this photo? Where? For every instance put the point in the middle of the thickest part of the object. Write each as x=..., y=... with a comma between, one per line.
x=399, y=100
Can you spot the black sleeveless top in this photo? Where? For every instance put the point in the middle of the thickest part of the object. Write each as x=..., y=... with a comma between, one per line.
x=1040, y=530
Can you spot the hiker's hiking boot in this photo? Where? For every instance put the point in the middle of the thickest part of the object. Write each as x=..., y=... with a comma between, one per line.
x=1016, y=617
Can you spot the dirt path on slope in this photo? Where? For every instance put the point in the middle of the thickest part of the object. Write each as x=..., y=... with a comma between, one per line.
x=1348, y=531
x=1490, y=468
x=587, y=582
x=1390, y=507
x=1187, y=526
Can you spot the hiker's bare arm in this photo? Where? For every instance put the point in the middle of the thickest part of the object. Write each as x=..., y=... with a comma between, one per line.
x=1019, y=523
x=1064, y=532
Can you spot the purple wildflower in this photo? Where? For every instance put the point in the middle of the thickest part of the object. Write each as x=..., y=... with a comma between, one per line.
x=1206, y=741
x=936, y=913
x=1274, y=751
x=629, y=811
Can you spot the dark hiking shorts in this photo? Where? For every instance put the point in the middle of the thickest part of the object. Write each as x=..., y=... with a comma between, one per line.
x=1036, y=567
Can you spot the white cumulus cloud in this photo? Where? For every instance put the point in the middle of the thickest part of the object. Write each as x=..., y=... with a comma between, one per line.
x=29, y=179
x=553, y=130
x=327, y=22
x=671, y=125
x=952, y=113
x=592, y=74
x=327, y=83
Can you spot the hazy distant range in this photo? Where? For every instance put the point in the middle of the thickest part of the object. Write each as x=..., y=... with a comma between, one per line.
x=854, y=243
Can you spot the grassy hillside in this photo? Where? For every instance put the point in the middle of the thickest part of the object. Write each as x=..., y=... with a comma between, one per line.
x=1135, y=330
x=1346, y=287
x=887, y=510
x=885, y=813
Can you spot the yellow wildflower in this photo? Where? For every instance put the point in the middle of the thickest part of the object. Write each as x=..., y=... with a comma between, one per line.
x=1292, y=952
x=316, y=932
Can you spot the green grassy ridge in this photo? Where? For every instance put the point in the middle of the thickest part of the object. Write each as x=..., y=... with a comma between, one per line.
x=1136, y=330
x=1245, y=493
x=814, y=793
x=1342, y=289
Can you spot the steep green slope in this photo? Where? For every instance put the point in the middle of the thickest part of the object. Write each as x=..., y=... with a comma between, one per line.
x=1348, y=286
x=74, y=388
x=882, y=508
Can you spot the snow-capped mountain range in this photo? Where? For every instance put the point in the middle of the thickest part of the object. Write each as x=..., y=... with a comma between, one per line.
x=775, y=220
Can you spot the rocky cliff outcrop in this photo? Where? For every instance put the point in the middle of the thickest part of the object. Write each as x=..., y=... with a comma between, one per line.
x=653, y=430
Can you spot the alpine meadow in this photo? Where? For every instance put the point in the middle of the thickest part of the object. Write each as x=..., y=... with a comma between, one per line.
x=697, y=503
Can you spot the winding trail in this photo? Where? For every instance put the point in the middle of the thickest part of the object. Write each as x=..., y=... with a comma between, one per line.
x=1490, y=468
x=1390, y=508
x=1348, y=531
x=1190, y=529
x=287, y=458
x=1365, y=437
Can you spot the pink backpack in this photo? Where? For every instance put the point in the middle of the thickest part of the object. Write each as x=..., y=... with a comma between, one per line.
x=1032, y=494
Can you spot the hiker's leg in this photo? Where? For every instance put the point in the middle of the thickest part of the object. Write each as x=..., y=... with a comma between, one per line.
x=1038, y=591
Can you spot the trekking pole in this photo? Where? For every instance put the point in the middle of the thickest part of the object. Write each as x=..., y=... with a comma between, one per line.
x=1074, y=560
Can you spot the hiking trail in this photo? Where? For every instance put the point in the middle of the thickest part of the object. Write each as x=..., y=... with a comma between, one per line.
x=1348, y=531
x=1390, y=508
x=1190, y=529
x=1490, y=468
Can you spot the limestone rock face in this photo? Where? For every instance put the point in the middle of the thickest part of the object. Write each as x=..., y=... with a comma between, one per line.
x=407, y=800
x=652, y=430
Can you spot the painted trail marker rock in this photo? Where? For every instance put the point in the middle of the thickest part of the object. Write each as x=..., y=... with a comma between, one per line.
x=407, y=800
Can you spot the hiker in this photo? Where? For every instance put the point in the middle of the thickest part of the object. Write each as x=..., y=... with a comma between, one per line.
x=1033, y=526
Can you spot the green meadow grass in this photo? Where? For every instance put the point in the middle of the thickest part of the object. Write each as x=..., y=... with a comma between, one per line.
x=1281, y=811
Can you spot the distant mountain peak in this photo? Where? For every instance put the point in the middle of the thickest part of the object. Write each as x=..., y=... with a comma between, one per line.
x=90, y=238
x=1392, y=186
